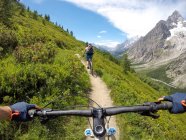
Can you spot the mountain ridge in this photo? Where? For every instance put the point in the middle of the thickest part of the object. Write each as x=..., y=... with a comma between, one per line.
x=164, y=44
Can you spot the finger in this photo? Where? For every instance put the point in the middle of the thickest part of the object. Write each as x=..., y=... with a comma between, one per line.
x=161, y=99
x=183, y=102
x=37, y=107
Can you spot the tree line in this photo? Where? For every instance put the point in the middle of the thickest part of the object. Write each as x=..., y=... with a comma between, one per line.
x=7, y=9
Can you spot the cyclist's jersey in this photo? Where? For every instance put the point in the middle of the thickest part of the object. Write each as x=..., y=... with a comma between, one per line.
x=89, y=51
x=88, y=55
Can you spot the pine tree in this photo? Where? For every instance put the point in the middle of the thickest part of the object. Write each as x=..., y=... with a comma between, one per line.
x=62, y=27
x=71, y=33
x=28, y=9
x=126, y=64
x=67, y=31
x=35, y=15
x=47, y=17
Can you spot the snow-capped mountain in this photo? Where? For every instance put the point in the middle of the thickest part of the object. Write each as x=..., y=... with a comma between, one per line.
x=164, y=44
x=120, y=48
x=165, y=41
x=103, y=48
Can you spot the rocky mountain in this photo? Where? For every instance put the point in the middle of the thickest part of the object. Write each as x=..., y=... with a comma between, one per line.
x=177, y=71
x=120, y=48
x=164, y=44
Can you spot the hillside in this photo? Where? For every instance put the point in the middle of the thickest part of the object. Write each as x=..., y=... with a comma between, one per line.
x=38, y=65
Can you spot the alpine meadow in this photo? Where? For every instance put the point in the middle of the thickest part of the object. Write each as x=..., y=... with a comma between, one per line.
x=38, y=65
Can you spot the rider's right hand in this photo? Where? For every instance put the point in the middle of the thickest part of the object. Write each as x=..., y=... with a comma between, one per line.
x=178, y=100
x=20, y=111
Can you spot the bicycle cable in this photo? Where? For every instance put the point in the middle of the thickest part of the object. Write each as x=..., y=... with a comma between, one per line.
x=61, y=96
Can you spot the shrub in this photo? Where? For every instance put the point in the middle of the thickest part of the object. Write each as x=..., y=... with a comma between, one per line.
x=39, y=52
x=41, y=83
x=8, y=40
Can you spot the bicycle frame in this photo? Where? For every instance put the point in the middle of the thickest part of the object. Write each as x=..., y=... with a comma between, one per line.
x=99, y=114
x=90, y=66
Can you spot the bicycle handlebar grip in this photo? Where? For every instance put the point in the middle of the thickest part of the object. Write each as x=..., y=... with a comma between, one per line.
x=164, y=106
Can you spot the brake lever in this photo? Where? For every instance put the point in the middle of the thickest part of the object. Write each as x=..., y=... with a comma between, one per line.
x=150, y=113
x=45, y=119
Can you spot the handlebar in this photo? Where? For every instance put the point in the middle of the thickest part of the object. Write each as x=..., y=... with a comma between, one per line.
x=50, y=112
x=98, y=114
x=147, y=107
x=141, y=108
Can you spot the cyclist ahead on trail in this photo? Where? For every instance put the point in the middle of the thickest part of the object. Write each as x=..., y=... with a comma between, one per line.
x=89, y=50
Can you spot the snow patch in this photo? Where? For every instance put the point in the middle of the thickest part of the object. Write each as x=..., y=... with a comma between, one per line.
x=178, y=31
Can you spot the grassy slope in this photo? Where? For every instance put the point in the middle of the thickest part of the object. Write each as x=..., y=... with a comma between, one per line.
x=157, y=73
x=126, y=89
x=39, y=83
x=30, y=30
x=160, y=74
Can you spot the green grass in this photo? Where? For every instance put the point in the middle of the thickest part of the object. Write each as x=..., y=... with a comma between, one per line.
x=39, y=83
x=157, y=73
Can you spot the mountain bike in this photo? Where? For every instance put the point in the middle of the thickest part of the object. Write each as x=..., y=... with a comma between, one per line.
x=90, y=66
x=99, y=131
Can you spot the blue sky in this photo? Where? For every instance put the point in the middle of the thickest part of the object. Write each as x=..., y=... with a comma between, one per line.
x=85, y=24
x=107, y=22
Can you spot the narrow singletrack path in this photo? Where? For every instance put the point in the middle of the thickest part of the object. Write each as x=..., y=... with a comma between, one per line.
x=101, y=95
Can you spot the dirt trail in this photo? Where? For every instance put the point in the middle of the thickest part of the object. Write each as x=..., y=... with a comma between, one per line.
x=101, y=95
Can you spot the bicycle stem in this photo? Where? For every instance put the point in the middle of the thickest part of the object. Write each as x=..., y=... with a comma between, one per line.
x=98, y=122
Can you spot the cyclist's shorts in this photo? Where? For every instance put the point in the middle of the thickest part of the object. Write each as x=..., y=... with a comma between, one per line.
x=89, y=56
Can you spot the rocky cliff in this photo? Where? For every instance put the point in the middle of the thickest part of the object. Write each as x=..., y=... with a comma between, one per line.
x=164, y=44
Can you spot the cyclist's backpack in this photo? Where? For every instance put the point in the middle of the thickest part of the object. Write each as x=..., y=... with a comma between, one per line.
x=90, y=51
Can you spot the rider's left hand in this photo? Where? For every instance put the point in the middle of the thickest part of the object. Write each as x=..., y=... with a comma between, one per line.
x=20, y=111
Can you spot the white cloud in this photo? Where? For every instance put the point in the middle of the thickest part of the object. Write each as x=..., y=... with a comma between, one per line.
x=134, y=17
x=99, y=36
x=108, y=43
x=102, y=32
